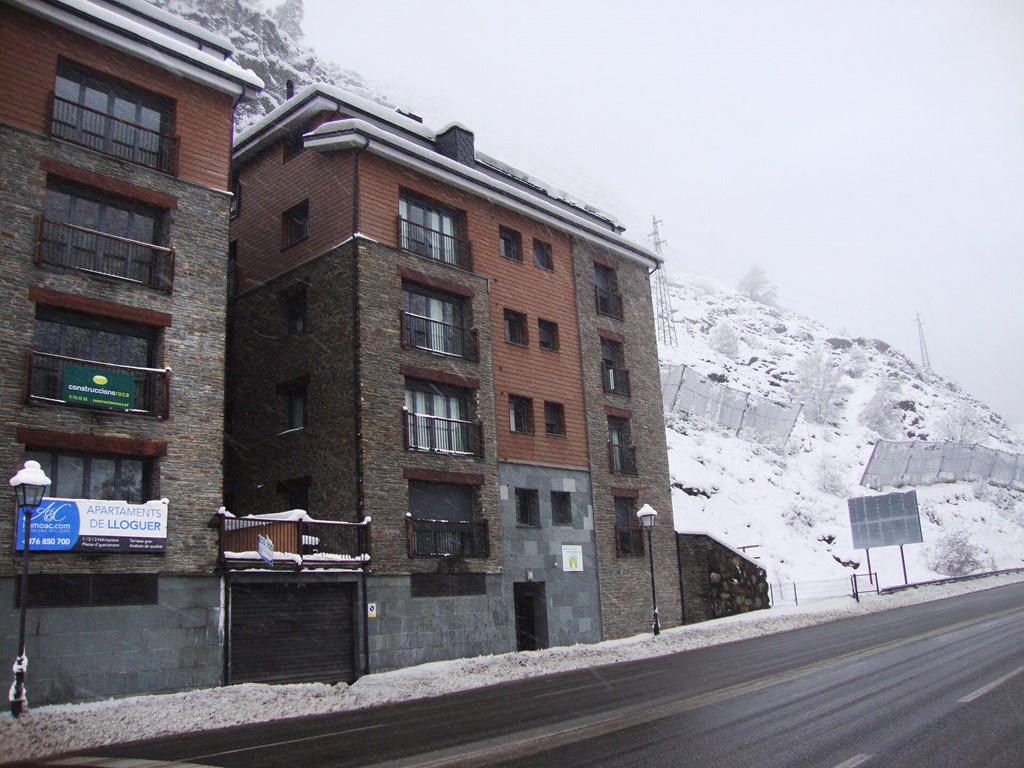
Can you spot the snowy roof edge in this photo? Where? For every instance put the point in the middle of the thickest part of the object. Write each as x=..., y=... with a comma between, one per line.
x=147, y=42
x=698, y=532
x=340, y=132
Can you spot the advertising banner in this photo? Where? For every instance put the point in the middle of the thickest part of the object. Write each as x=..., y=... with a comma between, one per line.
x=98, y=387
x=94, y=526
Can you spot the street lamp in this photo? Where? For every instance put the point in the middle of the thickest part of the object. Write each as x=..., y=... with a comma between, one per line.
x=30, y=485
x=648, y=515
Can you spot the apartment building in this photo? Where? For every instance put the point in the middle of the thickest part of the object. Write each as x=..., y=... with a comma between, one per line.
x=115, y=146
x=434, y=345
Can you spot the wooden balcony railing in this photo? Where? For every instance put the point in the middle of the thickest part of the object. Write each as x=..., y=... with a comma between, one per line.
x=438, y=435
x=629, y=541
x=99, y=253
x=621, y=459
x=615, y=380
x=435, y=336
x=297, y=544
x=113, y=136
x=433, y=244
x=608, y=303
x=447, y=538
x=130, y=389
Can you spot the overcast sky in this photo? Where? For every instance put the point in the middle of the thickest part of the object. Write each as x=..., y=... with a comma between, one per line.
x=867, y=154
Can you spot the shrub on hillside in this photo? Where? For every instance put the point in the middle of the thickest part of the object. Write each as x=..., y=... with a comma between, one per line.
x=955, y=555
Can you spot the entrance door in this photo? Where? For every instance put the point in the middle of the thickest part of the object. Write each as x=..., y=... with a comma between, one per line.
x=531, y=615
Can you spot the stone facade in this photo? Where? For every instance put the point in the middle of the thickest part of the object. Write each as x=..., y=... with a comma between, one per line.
x=717, y=581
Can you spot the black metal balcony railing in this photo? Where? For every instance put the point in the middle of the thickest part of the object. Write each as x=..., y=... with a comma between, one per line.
x=113, y=136
x=150, y=387
x=621, y=459
x=297, y=543
x=74, y=247
x=436, y=336
x=615, y=380
x=447, y=538
x=629, y=541
x=608, y=303
x=434, y=244
x=438, y=435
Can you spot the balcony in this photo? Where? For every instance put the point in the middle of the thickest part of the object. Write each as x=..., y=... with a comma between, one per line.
x=621, y=459
x=608, y=303
x=104, y=386
x=438, y=435
x=433, y=244
x=112, y=136
x=629, y=541
x=299, y=542
x=615, y=380
x=435, y=336
x=98, y=253
x=447, y=538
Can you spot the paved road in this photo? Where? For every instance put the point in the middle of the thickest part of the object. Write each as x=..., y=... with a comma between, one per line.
x=932, y=685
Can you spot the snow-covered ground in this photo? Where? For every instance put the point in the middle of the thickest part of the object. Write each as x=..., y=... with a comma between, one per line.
x=72, y=727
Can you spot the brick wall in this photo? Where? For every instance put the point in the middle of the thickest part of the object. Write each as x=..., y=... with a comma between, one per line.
x=717, y=581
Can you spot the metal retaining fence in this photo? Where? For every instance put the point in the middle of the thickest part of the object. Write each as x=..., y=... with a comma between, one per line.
x=920, y=462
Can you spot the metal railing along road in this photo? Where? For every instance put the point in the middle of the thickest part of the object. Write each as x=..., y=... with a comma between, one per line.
x=88, y=250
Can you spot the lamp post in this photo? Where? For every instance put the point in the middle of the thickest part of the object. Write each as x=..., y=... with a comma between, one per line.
x=30, y=485
x=648, y=515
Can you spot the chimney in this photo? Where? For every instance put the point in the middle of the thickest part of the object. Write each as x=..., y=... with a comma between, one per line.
x=456, y=142
x=289, y=88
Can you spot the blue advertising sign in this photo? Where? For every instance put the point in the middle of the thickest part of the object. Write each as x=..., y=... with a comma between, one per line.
x=94, y=526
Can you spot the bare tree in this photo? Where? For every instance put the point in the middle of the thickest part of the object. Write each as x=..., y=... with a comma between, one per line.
x=963, y=424
x=818, y=386
x=955, y=555
x=756, y=286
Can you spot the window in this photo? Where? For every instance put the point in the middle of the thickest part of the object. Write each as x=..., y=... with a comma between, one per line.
x=554, y=418
x=628, y=533
x=547, y=335
x=510, y=244
x=113, y=117
x=68, y=345
x=295, y=224
x=95, y=476
x=527, y=507
x=442, y=521
x=437, y=419
x=86, y=230
x=294, y=493
x=295, y=310
x=614, y=375
x=621, y=453
x=542, y=255
x=67, y=590
x=520, y=414
x=561, y=508
x=293, y=394
x=435, y=321
x=433, y=231
x=515, y=328
x=235, y=187
x=609, y=302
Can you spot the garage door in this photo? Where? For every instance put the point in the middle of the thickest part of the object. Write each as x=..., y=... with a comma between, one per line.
x=292, y=633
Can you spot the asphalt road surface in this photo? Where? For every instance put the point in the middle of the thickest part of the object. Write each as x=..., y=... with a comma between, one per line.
x=936, y=684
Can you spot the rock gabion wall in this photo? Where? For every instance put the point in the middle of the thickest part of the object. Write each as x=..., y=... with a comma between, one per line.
x=717, y=581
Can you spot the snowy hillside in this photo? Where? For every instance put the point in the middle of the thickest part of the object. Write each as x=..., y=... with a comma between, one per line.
x=790, y=500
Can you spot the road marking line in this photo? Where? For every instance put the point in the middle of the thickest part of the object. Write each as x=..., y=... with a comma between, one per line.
x=986, y=688
x=854, y=761
x=117, y=762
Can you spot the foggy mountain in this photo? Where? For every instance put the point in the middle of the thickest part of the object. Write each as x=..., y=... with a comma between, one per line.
x=785, y=500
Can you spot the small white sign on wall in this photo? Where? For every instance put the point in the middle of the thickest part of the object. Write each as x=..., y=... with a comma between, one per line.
x=572, y=557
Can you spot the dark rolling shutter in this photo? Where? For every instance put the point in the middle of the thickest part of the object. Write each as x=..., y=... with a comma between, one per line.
x=292, y=633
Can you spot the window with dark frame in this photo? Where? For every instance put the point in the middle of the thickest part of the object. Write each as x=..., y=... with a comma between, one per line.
x=82, y=590
x=561, y=508
x=293, y=144
x=520, y=414
x=295, y=493
x=432, y=230
x=295, y=224
x=235, y=187
x=436, y=321
x=510, y=244
x=609, y=300
x=614, y=375
x=294, y=396
x=95, y=476
x=515, y=328
x=542, y=255
x=622, y=456
x=437, y=418
x=443, y=520
x=554, y=418
x=547, y=335
x=527, y=507
x=295, y=310
x=628, y=533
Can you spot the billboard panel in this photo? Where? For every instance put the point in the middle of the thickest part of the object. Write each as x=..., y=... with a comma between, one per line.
x=885, y=521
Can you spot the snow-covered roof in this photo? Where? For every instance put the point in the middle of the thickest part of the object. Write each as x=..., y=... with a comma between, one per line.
x=153, y=35
x=406, y=140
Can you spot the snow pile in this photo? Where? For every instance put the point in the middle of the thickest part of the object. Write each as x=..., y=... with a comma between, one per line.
x=788, y=501
x=71, y=727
